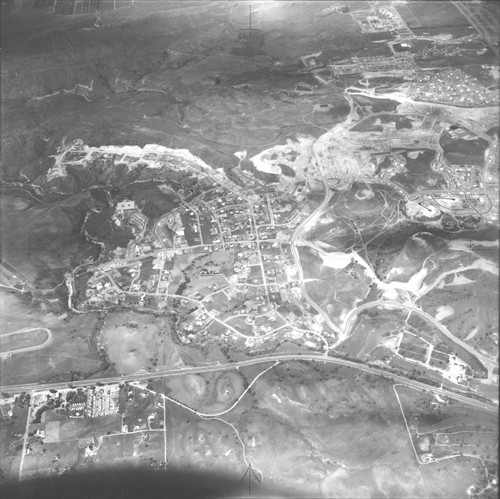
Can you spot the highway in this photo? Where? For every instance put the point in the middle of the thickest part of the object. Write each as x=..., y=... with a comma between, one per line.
x=311, y=357
x=384, y=303
x=296, y=234
x=342, y=332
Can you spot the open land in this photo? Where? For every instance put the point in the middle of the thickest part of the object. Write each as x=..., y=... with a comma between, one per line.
x=268, y=253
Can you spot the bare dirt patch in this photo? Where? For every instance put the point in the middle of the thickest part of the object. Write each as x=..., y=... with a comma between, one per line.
x=132, y=341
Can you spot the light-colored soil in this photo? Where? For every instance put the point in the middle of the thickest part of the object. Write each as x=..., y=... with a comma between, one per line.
x=132, y=341
x=208, y=392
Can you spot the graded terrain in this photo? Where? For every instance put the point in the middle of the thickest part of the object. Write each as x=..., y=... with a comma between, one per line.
x=249, y=248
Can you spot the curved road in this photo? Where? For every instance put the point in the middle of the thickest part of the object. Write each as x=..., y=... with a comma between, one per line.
x=295, y=235
x=27, y=349
x=312, y=357
x=381, y=303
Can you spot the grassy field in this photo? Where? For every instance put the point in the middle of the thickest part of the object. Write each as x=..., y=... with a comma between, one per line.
x=330, y=230
x=313, y=428
x=197, y=443
x=303, y=423
x=367, y=209
x=418, y=173
x=41, y=461
x=460, y=151
x=370, y=327
x=311, y=262
x=334, y=290
x=134, y=341
x=101, y=227
x=296, y=29
x=129, y=450
x=412, y=257
x=298, y=424
x=151, y=200
x=437, y=14
x=210, y=119
x=11, y=434
x=80, y=428
x=475, y=315
x=455, y=430
x=70, y=349
x=22, y=340
x=207, y=392
x=43, y=240
x=377, y=105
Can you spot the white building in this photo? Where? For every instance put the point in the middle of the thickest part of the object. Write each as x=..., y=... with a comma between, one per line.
x=125, y=205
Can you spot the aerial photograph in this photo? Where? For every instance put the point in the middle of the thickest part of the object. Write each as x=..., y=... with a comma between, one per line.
x=249, y=249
